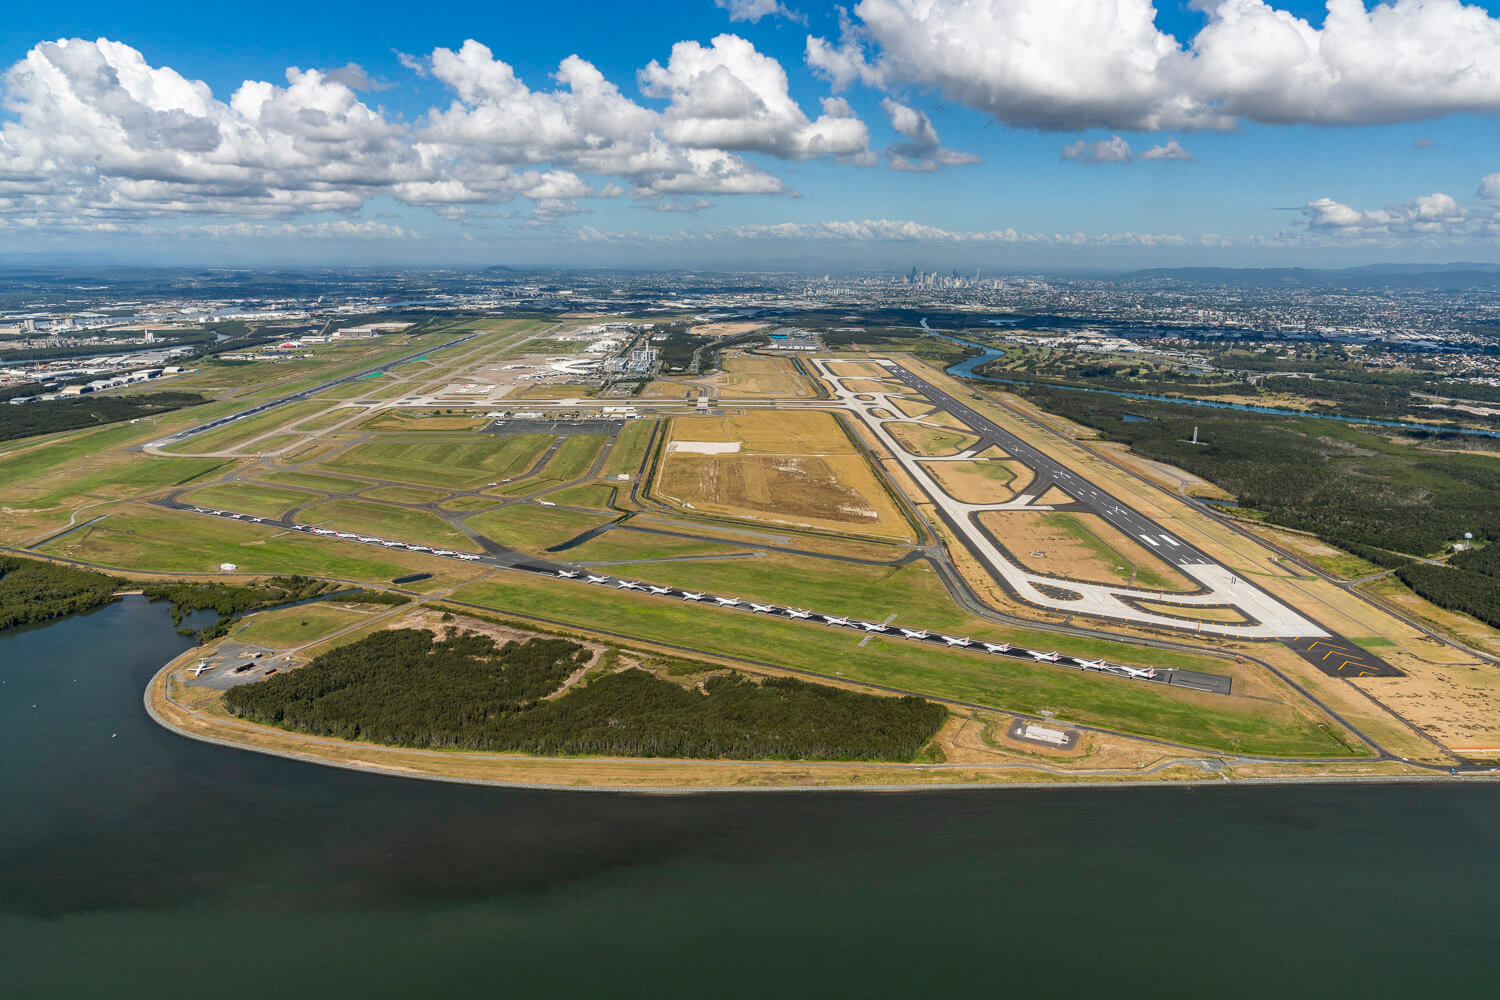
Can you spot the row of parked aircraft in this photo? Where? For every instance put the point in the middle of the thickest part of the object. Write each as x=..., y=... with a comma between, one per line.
x=348, y=536
x=837, y=621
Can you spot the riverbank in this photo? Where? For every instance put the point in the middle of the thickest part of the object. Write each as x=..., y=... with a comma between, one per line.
x=666, y=776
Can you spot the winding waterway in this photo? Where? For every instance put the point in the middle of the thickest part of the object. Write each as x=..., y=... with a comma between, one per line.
x=969, y=368
x=134, y=863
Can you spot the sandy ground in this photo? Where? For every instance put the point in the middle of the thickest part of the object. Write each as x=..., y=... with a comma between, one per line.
x=980, y=481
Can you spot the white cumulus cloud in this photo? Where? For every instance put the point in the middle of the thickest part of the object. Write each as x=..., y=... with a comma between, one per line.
x=1069, y=65
x=1111, y=150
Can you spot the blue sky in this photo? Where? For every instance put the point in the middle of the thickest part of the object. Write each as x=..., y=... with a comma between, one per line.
x=1280, y=134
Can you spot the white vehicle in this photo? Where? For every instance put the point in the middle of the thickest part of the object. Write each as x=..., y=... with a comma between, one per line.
x=996, y=647
x=566, y=574
x=628, y=585
x=343, y=534
x=872, y=626
x=688, y=595
x=1091, y=664
x=467, y=558
x=393, y=545
x=546, y=503
x=321, y=531
x=1039, y=655
x=835, y=620
x=658, y=590
x=258, y=520
x=1148, y=674
x=954, y=641
x=200, y=668
x=598, y=579
x=798, y=613
x=914, y=633
x=369, y=540
x=727, y=602
x=764, y=609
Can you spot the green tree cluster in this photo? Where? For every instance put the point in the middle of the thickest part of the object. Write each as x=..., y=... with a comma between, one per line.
x=405, y=687
x=32, y=590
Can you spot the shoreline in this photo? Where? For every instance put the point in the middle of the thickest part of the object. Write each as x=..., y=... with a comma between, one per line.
x=756, y=776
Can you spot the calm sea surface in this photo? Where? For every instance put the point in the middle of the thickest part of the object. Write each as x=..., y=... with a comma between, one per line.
x=135, y=863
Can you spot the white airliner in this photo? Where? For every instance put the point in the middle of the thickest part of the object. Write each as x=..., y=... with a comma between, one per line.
x=996, y=647
x=872, y=626
x=1090, y=664
x=658, y=590
x=566, y=573
x=727, y=602
x=1147, y=674
x=834, y=620
x=914, y=633
x=628, y=585
x=798, y=613
x=952, y=641
x=200, y=668
x=764, y=609
x=1038, y=655
x=598, y=579
x=688, y=595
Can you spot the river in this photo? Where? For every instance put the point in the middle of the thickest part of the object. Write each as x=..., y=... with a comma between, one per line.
x=134, y=863
x=969, y=368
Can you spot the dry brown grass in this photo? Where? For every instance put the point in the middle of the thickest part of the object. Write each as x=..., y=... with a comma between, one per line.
x=979, y=481
x=1080, y=547
x=931, y=442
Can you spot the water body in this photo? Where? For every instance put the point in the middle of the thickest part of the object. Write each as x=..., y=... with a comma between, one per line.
x=134, y=863
x=968, y=368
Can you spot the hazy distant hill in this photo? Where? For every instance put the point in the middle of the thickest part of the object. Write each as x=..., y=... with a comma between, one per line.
x=1428, y=276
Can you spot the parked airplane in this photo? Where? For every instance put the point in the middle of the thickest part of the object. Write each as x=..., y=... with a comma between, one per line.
x=688, y=595
x=872, y=626
x=658, y=590
x=566, y=573
x=950, y=640
x=1148, y=674
x=1050, y=657
x=798, y=613
x=996, y=647
x=727, y=602
x=833, y=620
x=200, y=668
x=914, y=633
x=628, y=585
x=598, y=579
x=764, y=609
x=1090, y=664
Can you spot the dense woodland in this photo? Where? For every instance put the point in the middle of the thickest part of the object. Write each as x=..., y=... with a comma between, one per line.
x=27, y=419
x=230, y=600
x=1382, y=501
x=406, y=687
x=32, y=590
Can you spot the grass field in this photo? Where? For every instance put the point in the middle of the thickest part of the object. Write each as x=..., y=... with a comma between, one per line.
x=314, y=481
x=462, y=504
x=1216, y=722
x=285, y=628
x=620, y=544
x=461, y=461
x=367, y=517
x=630, y=448
x=405, y=494
x=1080, y=547
x=321, y=421
x=151, y=540
x=250, y=498
x=979, y=481
x=599, y=496
x=421, y=420
x=932, y=442
x=528, y=528
x=793, y=468
x=240, y=432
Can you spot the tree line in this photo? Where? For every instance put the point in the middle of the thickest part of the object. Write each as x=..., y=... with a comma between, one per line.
x=406, y=687
x=231, y=600
x=92, y=410
x=32, y=590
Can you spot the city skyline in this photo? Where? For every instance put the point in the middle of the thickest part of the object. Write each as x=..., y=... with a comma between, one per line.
x=1010, y=134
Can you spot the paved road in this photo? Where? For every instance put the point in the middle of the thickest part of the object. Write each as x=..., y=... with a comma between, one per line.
x=218, y=422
